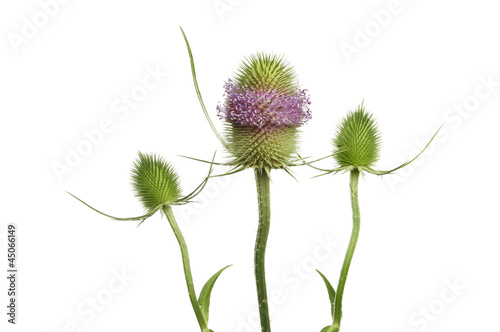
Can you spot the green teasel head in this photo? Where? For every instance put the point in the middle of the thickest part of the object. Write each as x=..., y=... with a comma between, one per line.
x=156, y=185
x=357, y=141
x=155, y=182
x=263, y=109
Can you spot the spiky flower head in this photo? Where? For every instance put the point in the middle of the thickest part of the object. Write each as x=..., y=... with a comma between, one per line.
x=357, y=144
x=155, y=182
x=263, y=108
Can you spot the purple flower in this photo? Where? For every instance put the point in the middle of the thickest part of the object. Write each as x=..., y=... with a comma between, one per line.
x=256, y=107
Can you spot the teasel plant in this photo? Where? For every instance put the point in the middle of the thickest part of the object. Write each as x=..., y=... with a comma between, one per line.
x=263, y=110
x=356, y=149
x=157, y=186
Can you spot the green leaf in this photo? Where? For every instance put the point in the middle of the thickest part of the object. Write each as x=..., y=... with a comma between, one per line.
x=326, y=329
x=331, y=292
x=204, y=299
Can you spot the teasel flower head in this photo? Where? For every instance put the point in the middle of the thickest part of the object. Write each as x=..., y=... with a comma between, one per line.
x=263, y=109
x=356, y=149
x=156, y=185
x=155, y=182
x=357, y=143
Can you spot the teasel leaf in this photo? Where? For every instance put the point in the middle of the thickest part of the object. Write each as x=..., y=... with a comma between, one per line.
x=331, y=291
x=206, y=292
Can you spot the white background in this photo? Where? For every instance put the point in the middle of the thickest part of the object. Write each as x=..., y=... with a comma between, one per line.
x=434, y=225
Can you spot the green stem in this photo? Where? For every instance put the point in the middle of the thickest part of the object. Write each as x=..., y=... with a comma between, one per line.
x=263, y=194
x=350, y=250
x=187, y=268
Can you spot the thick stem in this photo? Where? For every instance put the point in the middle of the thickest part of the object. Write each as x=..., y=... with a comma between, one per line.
x=187, y=268
x=263, y=194
x=350, y=250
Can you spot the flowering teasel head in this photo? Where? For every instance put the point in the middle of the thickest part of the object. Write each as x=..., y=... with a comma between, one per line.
x=263, y=109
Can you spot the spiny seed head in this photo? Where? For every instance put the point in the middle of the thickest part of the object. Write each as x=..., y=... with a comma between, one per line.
x=357, y=143
x=267, y=147
x=267, y=72
x=263, y=108
x=155, y=181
